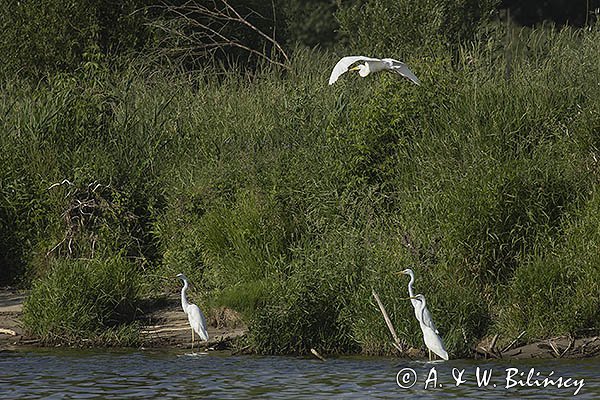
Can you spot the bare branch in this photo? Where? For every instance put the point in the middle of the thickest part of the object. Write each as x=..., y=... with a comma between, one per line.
x=255, y=29
x=208, y=27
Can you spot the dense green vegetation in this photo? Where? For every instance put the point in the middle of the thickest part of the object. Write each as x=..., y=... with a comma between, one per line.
x=290, y=201
x=96, y=308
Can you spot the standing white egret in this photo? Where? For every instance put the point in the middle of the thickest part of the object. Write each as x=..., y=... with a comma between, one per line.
x=415, y=303
x=195, y=316
x=432, y=340
x=370, y=66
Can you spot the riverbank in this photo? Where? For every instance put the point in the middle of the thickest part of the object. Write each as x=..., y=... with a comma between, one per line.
x=11, y=308
x=556, y=347
x=162, y=326
x=166, y=326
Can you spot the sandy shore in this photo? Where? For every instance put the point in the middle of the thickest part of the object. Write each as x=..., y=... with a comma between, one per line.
x=11, y=307
x=166, y=326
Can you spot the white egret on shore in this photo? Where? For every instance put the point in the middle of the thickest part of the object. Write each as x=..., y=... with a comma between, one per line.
x=195, y=316
x=371, y=66
x=432, y=340
x=415, y=303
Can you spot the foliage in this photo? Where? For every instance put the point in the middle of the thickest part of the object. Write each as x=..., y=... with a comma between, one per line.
x=20, y=217
x=48, y=36
x=382, y=27
x=557, y=293
x=52, y=35
x=560, y=12
x=81, y=300
x=311, y=23
x=290, y=200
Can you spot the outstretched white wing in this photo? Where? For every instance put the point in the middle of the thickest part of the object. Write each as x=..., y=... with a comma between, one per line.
x=400, y=68
x=344, y=63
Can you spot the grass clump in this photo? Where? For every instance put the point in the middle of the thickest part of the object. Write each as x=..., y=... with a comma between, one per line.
x=85, y=301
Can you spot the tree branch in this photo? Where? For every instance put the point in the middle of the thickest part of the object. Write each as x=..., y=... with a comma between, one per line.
x=211, y=28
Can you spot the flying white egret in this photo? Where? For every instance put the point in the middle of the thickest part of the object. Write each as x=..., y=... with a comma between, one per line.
x=432, y=340
x=415, y=303
x=370, y=66
x=195, y=316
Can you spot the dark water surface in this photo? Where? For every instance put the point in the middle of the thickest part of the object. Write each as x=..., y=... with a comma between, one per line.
x=71, y=374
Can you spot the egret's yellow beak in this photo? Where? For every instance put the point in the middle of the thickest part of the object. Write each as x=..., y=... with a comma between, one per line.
x=357, y=68
x=400, y=273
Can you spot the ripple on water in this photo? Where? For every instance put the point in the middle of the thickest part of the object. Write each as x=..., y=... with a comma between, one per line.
x=57, y=374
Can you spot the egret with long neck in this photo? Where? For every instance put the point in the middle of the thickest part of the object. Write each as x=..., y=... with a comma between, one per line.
x=195, y=317
x=415, y=303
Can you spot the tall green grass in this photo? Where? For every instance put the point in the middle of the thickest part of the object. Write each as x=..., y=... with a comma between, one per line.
x=85, y=301
x=289, y=200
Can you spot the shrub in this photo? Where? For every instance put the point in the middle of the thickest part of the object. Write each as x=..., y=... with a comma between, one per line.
x=558, y=292
x=81, y=299
x=52, y=35
x=307, y=306
x=387, y=27
x=310, y=23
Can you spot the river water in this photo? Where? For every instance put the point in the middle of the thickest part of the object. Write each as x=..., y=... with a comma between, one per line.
x=167, y=374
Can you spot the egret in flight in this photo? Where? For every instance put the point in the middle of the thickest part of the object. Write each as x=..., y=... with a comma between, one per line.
x=415, y=302
x=195, y=316
x=432, y=340
x=370, y=66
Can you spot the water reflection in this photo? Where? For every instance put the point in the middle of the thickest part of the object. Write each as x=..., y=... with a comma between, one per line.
x=57, y=374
